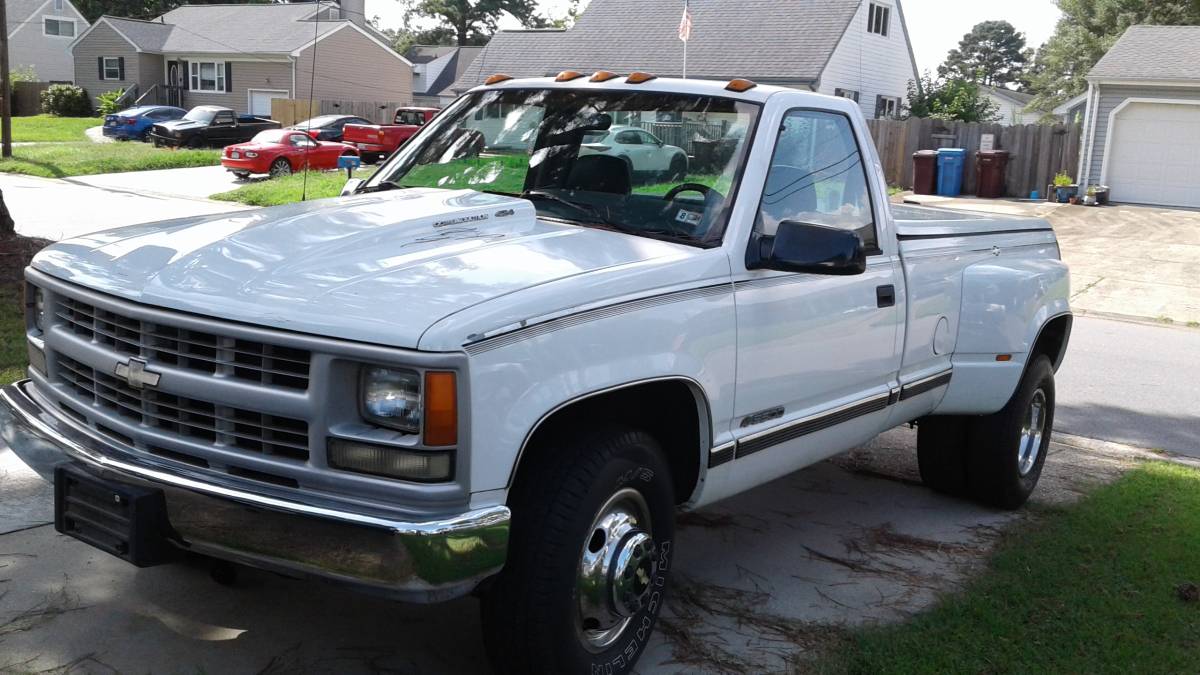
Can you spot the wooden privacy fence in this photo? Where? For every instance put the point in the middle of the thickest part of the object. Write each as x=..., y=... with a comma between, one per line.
x=27, y=98
x=379, y=112
x=288, y=111
x=1036, y=151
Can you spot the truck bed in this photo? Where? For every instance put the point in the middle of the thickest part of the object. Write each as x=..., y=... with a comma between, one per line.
x=924, y=222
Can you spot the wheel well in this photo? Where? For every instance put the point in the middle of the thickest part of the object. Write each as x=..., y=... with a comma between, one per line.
x=669, y=410
x=1052, y=341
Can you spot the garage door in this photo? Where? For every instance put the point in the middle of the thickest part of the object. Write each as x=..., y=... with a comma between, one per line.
x=260, y=101
x=1155, y=155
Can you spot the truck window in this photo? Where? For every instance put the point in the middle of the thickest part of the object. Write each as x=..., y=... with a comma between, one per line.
x=817, y=176
x=223, y=117
x=410, y=117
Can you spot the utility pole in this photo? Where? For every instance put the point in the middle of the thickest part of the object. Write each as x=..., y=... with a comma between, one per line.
x=5, y=86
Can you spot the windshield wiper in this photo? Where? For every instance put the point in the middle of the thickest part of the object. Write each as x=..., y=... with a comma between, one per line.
x=578, y=206
x=382, y=186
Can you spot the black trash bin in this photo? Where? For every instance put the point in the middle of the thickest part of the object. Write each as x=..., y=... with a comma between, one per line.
x=925, y=172
x=990, y=167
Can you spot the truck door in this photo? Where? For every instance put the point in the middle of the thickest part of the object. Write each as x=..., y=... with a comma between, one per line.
x=817, y=354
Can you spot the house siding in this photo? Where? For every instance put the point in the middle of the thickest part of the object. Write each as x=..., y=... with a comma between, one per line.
x=1112, y=96
x=870, y=64
x=104, y=41
x=247, y=75
x=1011, y=113
x=351, y=67
x=49, y=56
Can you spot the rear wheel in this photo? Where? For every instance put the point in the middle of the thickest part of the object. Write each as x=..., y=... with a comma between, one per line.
x=589, y=556
x=1008, y=448
x=280, y=167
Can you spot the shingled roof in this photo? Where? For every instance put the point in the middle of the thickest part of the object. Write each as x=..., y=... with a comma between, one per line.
x=221, y=29
x=764, y=40
x=1152, y=53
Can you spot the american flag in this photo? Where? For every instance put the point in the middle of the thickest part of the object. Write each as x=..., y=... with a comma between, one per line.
x=685, y=24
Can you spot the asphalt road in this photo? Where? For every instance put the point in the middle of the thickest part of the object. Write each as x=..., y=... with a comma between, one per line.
x=1132, y=383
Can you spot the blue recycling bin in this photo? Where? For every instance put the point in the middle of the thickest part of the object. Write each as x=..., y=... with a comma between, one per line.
x=950, y=171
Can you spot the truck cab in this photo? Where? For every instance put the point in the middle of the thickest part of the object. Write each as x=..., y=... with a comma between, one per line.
x=502, y=363
x=376, y=141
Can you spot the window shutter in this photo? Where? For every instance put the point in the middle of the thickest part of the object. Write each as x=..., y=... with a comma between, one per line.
x=121, y=68
x=185, y=74
x=100, y=63
x=228, y=76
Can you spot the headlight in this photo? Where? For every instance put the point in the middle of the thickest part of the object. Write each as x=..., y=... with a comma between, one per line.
x=392, y=398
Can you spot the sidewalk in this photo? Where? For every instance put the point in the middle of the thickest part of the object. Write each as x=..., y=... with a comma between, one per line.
x=58, y=209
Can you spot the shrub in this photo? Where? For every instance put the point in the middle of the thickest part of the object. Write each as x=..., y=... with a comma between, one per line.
x=1063, y=179
x=66, y=100
x=108, y=102
x=23, y=74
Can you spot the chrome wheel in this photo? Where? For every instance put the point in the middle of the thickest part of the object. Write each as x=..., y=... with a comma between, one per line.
x=616, y=569
x=1032, y=430
x=281, y=168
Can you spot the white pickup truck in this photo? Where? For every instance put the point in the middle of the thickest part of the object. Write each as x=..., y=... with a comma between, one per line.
x=501, y=368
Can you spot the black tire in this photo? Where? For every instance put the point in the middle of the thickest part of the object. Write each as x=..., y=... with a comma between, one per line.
x=994, y=472
x=194, y=143
x=241, y=175
x=679, y=168
x=280, y=167
x=157, y=143
x=942, y=453
x=533, y=615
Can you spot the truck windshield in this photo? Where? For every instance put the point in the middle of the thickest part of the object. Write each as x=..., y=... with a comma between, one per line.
x=652, y=164
x=200, y=115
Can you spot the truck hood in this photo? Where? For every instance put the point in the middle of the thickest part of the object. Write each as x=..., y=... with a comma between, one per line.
x=378, y=268
x=180, y=125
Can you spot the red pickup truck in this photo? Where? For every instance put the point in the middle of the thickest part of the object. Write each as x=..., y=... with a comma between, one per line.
x=376, y=141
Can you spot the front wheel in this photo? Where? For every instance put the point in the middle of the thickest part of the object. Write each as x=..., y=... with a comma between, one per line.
x=679, y=168
x=589, y=556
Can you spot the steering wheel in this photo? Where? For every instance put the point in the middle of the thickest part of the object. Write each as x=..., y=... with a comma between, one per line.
x=709, y=193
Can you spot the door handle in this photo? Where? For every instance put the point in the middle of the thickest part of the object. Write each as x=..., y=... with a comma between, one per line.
x=885, y=296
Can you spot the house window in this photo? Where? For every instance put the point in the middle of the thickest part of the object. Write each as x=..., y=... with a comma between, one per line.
x=878, y=19
x=846, y=93
x=58, y=27
x=58, y=5
x=112, y=68
x=887, y=106
x=207, y=76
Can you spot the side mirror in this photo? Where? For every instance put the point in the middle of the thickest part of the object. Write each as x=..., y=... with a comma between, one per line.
x=808, y=248
x=352, y=186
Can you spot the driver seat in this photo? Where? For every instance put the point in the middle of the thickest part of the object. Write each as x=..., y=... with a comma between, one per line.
x=600, y=173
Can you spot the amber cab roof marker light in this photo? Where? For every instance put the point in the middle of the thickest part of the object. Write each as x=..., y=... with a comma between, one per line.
x=497, y=79
x=604, y=76
x=568, y=75
x=639, y=77
x=740, y=85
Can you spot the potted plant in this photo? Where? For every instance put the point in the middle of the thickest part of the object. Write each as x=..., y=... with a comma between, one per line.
x=1064, y=187
x=1090, y=198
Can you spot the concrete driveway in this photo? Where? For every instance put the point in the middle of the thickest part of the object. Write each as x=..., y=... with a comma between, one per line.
x=761, y=581
x=197, y=183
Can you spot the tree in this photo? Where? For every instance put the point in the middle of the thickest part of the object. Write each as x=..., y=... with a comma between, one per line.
x=1085, y=33
x=992, y=54
x=472, y=22
x=950, y=100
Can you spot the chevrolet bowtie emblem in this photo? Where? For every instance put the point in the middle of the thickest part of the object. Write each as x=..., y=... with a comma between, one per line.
x=134, y=372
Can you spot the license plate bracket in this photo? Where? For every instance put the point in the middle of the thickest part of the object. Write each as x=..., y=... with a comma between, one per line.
x=124, y=520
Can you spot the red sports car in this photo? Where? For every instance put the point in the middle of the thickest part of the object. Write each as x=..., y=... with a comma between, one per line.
x=279, y=152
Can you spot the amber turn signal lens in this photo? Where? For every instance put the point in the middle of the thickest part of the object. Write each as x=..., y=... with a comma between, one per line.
x=441, y=409
x=568, y=75
x=604, y=76
x=497, y=78
x=639, y=77
x=740, y=85
x=1004, y=357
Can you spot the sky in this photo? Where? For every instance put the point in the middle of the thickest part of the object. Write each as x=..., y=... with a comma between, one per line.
x=935, y=26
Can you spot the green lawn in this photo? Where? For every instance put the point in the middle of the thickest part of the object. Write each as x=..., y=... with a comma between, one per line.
x=59, y=160
x=13, y=357
x=51, y=129
x=276, y=191
x=1091, y=588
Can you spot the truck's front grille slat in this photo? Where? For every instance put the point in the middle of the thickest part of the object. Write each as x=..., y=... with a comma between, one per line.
x=220, y=425
x=247, y=360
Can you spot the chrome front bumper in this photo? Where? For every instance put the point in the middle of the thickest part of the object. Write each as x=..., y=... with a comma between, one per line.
x=427, y=561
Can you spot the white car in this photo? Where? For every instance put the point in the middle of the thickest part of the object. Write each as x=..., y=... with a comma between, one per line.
x=647, y=156
x=503, y=373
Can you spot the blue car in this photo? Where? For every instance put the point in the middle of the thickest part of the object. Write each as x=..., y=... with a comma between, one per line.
x=134, y=124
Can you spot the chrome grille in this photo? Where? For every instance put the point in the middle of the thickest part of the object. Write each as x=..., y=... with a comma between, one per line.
x=189, y=418
x=247, y=360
